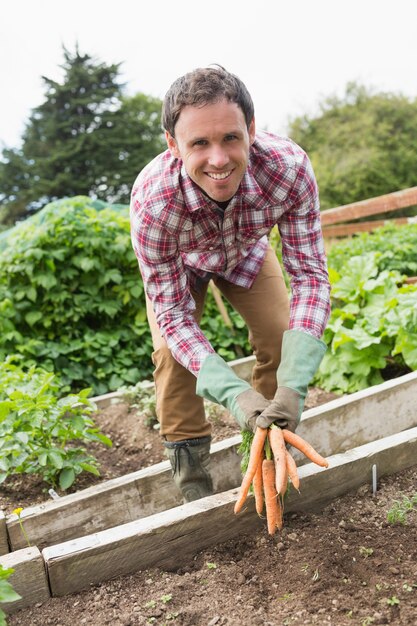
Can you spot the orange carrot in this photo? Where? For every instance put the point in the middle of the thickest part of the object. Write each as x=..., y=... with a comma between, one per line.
x=258, y=490
x=292, y=470
x=272, y=505
x=277, y=443
x=255, y=457
x=304, y=447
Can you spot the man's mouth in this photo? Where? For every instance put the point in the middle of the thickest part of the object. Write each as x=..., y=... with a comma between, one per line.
x=220, y=175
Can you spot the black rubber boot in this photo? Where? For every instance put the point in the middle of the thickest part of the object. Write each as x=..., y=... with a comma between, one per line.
x=190, y=460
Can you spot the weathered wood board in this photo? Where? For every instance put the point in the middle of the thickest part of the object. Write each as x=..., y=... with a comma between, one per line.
x=172, y=537
x=361, y=417
x=29, y=578
x=116, y=501
x=4, y=544
x=242, y=367
x=373, y=206
x=337, y=426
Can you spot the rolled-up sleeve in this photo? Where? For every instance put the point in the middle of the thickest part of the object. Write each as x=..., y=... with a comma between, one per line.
x=166, y=284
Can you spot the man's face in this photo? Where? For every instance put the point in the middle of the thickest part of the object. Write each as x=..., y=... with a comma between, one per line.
x=213, y=142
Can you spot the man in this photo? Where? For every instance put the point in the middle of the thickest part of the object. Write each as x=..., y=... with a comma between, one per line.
x=202, y=210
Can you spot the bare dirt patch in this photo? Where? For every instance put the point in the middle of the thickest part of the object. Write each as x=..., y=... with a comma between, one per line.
x=345, y=565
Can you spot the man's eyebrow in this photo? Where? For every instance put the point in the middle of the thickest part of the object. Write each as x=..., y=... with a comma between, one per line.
x=205, y=137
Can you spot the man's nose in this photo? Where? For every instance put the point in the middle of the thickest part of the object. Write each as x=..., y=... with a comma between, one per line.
x=218, y=157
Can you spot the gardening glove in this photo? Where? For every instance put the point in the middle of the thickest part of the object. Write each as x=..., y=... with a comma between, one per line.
x=217, y=382
x=301, y=356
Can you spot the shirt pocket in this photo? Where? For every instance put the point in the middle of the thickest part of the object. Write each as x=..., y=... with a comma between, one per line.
x=254, y=224
x=201, y=237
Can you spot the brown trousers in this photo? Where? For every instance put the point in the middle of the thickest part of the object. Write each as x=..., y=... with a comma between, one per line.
x=265, y=309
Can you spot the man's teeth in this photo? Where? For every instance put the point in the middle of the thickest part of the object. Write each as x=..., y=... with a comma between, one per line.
x=219, y=176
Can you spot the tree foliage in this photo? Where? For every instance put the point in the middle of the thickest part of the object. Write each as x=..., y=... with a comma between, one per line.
x=362, y=145
x=86, y=138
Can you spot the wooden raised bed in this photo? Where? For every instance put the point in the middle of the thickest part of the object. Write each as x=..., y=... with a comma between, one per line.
x=136, y=521
x=169, y=539
x=335, y=427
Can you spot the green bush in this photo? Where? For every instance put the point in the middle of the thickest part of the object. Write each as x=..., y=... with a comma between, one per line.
x=72, y=298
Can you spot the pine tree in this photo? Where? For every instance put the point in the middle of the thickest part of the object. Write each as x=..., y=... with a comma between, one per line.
x=86, y=138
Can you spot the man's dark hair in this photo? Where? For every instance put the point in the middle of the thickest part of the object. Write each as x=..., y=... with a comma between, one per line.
x=205, y=85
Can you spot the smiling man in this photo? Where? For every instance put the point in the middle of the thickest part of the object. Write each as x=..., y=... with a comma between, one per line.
x=203, y=210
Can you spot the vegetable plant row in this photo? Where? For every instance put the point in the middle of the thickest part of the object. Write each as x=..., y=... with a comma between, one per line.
x=72, y=302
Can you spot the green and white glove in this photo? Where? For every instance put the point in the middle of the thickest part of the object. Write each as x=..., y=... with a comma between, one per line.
x=301, y=356
x=216, y=381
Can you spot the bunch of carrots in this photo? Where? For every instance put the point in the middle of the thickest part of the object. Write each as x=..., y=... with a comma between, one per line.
x=269, y=467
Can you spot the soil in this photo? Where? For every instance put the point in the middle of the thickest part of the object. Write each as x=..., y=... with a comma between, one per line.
x=345, y=565
x=135, y=446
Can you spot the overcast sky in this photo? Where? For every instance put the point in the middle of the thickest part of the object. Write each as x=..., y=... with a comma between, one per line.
x=289, y=53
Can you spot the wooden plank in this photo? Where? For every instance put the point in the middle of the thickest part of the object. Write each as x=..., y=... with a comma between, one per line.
x=28, y=579
x=353, y=468
x=116, y=501
x=4, y=543
x=361, y=417
x=337, y=426
x=107, y=399
x=382, y=204
x=345, y=230
x=243, y=368
x=171, y=538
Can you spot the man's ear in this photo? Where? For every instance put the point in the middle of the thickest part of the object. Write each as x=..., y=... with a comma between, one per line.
x=252, y=131
x=172, y=145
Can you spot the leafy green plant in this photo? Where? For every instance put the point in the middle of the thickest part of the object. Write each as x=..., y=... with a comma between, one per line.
x=72, y=299
x=166, y=598
x=371, y=331
x=366, y=552
x=401, y=508
x=7, y=593
x=395, y=246
x=40, y=432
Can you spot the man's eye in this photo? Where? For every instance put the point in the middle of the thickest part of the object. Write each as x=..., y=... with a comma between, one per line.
x=200, y=142
x=230, y=137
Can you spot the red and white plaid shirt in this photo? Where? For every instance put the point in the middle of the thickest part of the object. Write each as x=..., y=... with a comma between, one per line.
x=179, y=235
